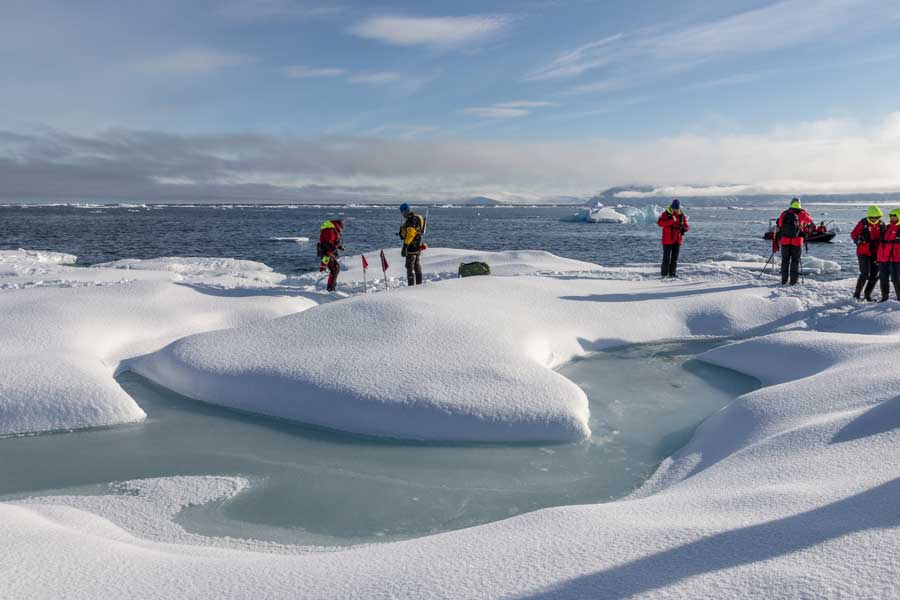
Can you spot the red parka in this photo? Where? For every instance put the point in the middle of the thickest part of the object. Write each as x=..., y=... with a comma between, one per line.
x=674, y=225
x=889, y=250
x=867, y=236
x=330, y=237
x=803, y=220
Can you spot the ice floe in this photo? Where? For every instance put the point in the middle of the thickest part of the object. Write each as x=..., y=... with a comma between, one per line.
x=790, y=491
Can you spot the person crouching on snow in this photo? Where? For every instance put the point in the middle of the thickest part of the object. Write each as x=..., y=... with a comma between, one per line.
x=674, y=225
x=793, y=225
x=867, y=237
x=411, y=233
x=330, y=241
x=889, y=257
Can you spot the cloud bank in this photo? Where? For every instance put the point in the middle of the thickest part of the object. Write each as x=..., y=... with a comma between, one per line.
x=832, y=156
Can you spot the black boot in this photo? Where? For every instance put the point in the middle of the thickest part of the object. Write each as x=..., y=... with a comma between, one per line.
x=859, y=287
x=867, y=294
x=897, y=290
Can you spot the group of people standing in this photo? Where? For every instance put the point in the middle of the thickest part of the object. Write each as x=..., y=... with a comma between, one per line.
x=876, y=246
x=411, y=234
x=878, y=253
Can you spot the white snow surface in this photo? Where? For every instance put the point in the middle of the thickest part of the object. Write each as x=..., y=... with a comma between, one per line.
x=791, y=491
x=461, y=360
x=64, y=330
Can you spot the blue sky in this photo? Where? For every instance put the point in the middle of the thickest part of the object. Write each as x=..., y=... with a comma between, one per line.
x=304, y=100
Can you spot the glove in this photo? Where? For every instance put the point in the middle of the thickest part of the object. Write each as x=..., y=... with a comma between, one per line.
x=403, y=252
x=340, y=247
x=423, y=247
x=324, y=264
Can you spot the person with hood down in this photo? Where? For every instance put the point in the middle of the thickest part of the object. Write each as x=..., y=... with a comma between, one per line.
x=793, y=225
x=674, y=225
x=330, y=241
x=889, y=257
x=867, y=237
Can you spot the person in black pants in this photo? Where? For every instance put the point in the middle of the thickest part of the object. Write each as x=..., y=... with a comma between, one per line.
x=411, y=233
x=674, y=225
x=867, y=237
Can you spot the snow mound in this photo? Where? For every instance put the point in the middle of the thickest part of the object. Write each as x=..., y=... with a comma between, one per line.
x=228, y=272
x=819, y=266
x=61, y=344
x=461, y=360
x=739, y=257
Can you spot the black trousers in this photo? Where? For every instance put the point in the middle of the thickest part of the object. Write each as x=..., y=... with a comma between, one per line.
x=413, y=269
x=868, y=275
x=790, y=263
x=334, y=268
x=889, y=273
x=670, y=259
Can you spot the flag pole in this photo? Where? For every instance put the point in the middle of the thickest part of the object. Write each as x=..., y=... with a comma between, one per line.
x=365, y=283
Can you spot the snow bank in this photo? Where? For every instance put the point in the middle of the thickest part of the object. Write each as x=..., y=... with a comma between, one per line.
x=228, y=272
x=819, y=266
x=443, y=263
x=64, y=330
x=298, y=240
x=461, y=360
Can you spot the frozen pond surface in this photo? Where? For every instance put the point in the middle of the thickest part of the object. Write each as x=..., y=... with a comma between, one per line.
x=319, y=487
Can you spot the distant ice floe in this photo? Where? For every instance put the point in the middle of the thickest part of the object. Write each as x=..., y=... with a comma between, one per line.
x=620, y=214
x=298, y=240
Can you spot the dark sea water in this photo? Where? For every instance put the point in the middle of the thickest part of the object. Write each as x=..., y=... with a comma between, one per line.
x=99, y=233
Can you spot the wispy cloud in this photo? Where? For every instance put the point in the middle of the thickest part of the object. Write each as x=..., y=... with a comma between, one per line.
x=248, y=10
x=304, y=72
x=191, y=60
x=780, y=25
x=437, y=32
x=506, y=110
x=379, y=78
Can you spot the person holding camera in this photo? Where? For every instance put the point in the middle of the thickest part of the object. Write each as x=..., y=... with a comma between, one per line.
x=674, y=225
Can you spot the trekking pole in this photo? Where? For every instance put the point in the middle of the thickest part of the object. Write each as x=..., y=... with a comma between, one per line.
x=771, y=256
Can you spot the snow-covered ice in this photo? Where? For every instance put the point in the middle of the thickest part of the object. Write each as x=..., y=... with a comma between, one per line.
x=790, y=491
x=64, y=330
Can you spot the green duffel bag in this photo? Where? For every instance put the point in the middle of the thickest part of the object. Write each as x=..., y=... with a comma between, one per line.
x=474, y=268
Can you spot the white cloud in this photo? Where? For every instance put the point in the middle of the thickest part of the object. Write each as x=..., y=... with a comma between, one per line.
x=191, y=60
x=506, y=110
x=376, y=78
x=304, y=72
x=777, y=26
x=830, y=156
x=438, y=32
x=495, y=112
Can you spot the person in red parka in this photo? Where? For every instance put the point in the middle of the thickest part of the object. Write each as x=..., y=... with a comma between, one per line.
x=867, y=237
x=330, y=241
x=793, y=225
x=889, y=257
x=674, y=225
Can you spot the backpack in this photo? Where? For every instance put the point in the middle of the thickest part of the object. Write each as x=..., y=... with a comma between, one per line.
x=790, y=224
x=474, y=268
x=319, y=252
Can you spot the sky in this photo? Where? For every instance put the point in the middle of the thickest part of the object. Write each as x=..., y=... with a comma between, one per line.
x=526, y=101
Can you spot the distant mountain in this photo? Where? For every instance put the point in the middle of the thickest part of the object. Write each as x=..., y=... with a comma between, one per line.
x=481, y=201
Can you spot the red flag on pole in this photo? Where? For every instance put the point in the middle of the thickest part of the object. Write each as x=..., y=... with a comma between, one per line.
x=384, y=262
x=365, y=262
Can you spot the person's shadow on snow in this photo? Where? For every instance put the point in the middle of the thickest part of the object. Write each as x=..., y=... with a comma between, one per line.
x=873, y=508
x=641, y=296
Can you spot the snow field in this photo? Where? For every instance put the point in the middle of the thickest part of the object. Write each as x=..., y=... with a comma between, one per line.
x=791, y=491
